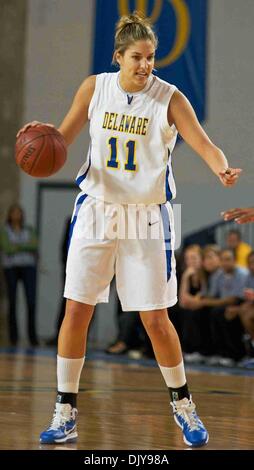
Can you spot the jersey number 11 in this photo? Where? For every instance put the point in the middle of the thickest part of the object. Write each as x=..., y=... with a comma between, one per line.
x=130, y=149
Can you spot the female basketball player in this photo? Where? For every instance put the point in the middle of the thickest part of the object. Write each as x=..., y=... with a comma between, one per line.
x=134, y=119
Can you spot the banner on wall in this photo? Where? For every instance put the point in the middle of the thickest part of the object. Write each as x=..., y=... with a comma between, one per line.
x=181, y=28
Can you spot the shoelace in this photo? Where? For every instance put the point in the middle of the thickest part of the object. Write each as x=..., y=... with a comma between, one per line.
x=187, y=411
x=61, y=416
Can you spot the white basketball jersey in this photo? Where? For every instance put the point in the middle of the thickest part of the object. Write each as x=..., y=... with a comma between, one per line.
x=129, y=158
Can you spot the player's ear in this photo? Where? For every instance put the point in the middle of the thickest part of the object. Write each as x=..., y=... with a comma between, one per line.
x=117, y=57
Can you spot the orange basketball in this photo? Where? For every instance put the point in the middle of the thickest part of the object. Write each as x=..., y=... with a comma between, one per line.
x=40, y=151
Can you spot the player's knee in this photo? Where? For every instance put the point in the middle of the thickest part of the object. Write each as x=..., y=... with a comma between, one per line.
x=77, y=315
x=156, y=325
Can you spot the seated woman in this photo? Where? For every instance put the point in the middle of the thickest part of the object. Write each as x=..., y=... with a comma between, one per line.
x=191, y=285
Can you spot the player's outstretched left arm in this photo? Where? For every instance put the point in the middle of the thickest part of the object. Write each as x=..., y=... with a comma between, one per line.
x=240, y=215
x=182, y=114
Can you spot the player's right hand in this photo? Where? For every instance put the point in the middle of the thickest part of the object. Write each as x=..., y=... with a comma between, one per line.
x=32, y=124
x=230, y=176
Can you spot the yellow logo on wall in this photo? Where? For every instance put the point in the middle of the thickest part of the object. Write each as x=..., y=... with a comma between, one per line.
x=183, y=24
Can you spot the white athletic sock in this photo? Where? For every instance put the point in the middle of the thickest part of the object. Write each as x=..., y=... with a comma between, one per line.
x=174, y=376
x=68, y=374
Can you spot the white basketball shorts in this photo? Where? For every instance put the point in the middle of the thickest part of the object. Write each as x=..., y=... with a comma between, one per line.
x=133, y=242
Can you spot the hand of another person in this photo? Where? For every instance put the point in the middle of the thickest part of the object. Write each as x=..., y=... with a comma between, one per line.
x=249, y=294
x=230, y=176
x=196, y=302
x=231, y=312
x=240, y=215
x=189, y=272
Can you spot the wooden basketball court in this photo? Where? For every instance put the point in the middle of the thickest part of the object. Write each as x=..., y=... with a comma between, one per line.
x=122, y=405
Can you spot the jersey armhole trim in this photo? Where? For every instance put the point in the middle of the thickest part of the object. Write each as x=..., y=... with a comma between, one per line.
x=165, y=123
x=94, y=97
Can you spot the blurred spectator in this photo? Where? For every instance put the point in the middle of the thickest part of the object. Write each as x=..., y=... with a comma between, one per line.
x=193, y=276
x=191, y=285
x=227, y=291
x=19, y=246
x=196, y=314
x=241, y=249
x=246, y=310
x=131, y=335
x=212, y=267
x=229, y=283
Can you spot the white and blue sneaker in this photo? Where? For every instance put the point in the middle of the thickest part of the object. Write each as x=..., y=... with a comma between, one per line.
x=63, y=426
x=194, y=431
